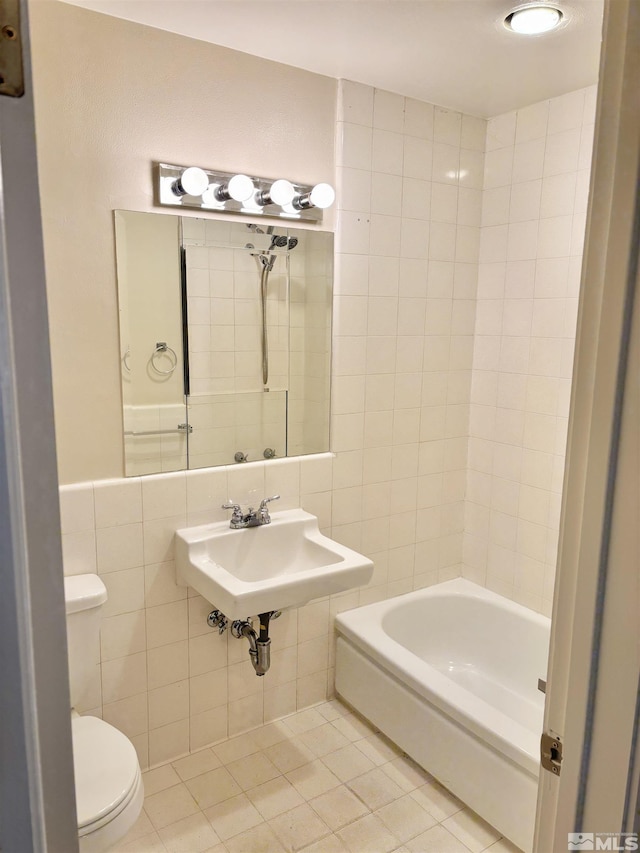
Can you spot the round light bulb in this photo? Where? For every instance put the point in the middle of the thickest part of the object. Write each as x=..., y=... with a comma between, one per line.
x=240, y=188
x=194, y=181
x=533, y=20
x=282, y=192
x=322, y=196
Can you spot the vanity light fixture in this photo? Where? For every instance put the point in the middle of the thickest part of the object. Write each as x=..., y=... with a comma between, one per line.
x=225, y=192
x=322, y=196
x=280, y=192
x=192, y=181
x=534, y=19
x=238, y=188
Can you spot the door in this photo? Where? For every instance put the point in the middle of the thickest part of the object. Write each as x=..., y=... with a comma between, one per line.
x=594, y=658
x=37, y=802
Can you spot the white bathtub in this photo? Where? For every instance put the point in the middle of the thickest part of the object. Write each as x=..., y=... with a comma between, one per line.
x=450, y=673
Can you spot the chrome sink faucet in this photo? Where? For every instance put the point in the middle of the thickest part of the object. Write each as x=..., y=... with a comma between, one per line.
x=252, y=517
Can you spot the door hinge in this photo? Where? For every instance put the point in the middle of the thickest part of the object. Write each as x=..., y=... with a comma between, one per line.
x=11, y=68
x=551, y=753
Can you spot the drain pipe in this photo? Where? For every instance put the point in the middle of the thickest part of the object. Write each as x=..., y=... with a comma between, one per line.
x=259, y=645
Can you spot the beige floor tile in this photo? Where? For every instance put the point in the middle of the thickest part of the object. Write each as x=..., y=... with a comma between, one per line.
x=299, y=827
x=313, y=779
x=151, y=843
x=289, y=754
x=304, y=721
x=378, y=749
x=235, y=748
x=324, y=739
x=332, y=710
x=437, y=800
x=158, y=779
x=407, y=774
x=233, y=816
x=353, y=727
x=348, y=762
x=271, y=734
x=475, y=833
x=504, y=846
x=328, y=844
x=375, y=788
x=436, y=840
x=213, y=787
x=261, y=839
x=170, y=805
x=405, y=818
x=253, y=771
x=339, y=807
x=196, y=764
x=189, y=835
x=142, y=826
x=368, y=835
x=275, y=797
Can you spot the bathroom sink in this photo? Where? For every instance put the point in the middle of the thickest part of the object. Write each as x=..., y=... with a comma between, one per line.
x=283, y=564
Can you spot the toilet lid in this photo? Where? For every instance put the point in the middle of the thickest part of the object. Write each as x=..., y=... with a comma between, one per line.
x=106, y=768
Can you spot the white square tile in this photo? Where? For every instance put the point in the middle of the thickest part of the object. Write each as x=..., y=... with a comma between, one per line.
x=164, y=495
x=119, y=547
x=118, y=502
x=388, y=111
x=77, y=508
x=418, y=118
x=388, y=153
x=356, y=146
x=357, y=103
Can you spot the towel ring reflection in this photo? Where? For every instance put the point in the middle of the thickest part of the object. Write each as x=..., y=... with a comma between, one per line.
x=125, y=360
x=163, y=349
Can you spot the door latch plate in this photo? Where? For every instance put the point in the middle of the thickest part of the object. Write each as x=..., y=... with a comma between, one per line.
x=11, y=69
x=551, y=753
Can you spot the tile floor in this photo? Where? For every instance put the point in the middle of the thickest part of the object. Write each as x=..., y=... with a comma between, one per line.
x=319, y=781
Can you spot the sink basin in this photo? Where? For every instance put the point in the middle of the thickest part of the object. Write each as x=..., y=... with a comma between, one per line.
x=258, y=569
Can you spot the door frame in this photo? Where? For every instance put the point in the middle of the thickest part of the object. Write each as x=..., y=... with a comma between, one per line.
x=599, y=533
x=37, y=796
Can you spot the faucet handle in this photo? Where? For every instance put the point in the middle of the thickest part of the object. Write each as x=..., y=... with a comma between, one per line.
x=265, y=501
x=234, y=507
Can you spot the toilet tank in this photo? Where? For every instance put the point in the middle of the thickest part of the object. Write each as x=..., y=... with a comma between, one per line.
x=84, y=596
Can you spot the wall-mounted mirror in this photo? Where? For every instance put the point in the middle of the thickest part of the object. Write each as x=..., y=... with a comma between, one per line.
x=225, y=331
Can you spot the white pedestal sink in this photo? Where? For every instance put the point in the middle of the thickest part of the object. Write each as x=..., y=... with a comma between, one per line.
x=259, y=569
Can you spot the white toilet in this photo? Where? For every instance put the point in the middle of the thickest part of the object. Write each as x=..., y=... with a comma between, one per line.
x=109, y=791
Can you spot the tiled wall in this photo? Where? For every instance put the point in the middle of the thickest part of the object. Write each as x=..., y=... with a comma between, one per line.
x=536, y=185
x=165, y=678
x=409, y=194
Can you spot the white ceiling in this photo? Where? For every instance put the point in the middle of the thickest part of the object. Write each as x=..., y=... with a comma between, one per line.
x=450, y=52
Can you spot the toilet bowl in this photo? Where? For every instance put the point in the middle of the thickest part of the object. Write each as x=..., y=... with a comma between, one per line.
x=108, y=781
x=109, y=791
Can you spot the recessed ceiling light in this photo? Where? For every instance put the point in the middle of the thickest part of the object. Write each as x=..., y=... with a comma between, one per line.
x=533, y=19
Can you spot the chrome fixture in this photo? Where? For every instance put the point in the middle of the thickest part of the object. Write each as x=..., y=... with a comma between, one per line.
x=269, y=453
x=532, y=19
x=259, y=649
x=259, y=643
x=217, y=619
x=239, y=456
x=192, y=181
x=163, y=349
x=228, y=192
x=252, y=517
x=238, y=188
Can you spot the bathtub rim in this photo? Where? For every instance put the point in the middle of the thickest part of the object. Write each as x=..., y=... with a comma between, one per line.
x=514, y=740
